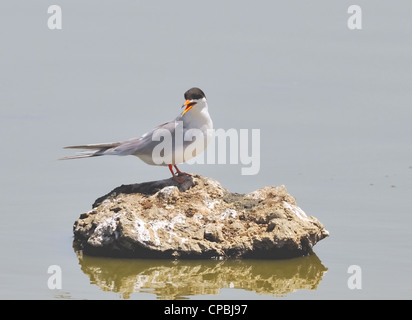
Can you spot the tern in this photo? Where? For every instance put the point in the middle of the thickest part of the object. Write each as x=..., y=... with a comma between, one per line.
x=194, y=119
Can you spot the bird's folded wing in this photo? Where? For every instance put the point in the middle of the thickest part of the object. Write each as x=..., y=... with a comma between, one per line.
x=146, y=143
x=136, y=146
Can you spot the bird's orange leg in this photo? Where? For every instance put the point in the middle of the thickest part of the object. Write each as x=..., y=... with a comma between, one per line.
x=171, y=170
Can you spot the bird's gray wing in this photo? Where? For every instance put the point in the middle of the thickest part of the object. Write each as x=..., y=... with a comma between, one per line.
x=136, y=146
x=145, y=144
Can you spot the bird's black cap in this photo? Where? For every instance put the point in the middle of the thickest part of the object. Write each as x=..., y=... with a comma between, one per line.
x=194, y=93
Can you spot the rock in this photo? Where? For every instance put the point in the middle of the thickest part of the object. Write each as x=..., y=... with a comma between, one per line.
x=196, y=219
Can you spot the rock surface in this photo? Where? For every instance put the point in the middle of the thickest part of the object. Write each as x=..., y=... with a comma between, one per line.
x=196, y=219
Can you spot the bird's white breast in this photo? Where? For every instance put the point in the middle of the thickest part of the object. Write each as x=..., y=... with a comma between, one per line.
x=197, y=127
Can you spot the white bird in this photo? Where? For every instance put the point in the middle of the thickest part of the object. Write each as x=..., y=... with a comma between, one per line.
x=195, y=118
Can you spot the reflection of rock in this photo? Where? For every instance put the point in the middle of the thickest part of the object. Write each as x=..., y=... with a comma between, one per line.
x=196, y=219
x=180, y=279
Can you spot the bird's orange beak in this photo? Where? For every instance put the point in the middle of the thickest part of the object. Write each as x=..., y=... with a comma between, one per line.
x=189, y=105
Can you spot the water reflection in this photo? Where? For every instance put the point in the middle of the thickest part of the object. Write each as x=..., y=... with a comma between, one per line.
x=182, y=279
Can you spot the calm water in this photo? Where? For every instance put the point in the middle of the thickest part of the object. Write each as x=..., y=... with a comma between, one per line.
x=333, y=106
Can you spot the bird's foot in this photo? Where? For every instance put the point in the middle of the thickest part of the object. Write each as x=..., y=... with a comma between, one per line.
x=184, y=174
x=180, y=173
x=179, y=178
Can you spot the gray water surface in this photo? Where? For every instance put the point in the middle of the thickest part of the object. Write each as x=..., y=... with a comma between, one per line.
x=333, y=106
